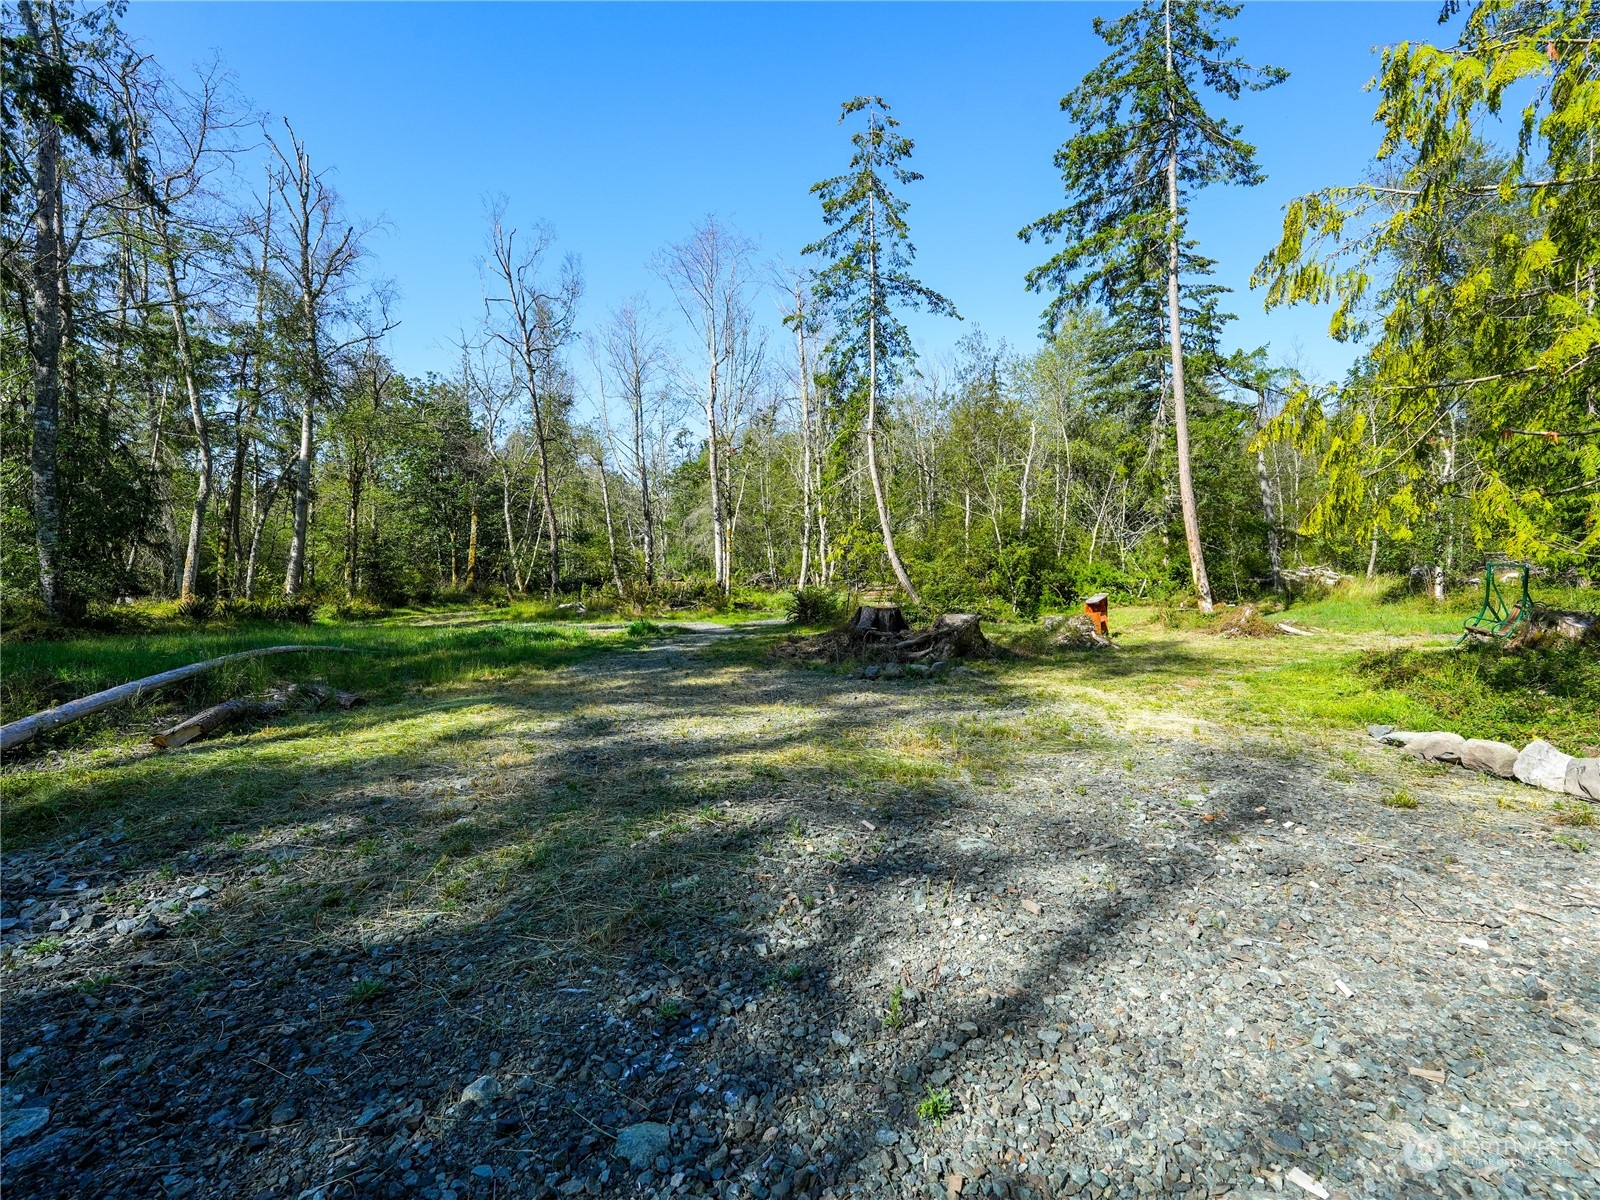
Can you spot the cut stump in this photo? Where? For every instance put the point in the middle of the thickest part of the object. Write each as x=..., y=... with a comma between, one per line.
x=882, y=619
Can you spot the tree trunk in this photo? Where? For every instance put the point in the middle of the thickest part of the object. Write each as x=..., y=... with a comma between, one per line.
x=295, y=574
x=202, y=434
x=872, y=412
x=511, y=540
x=1027, y=471
x=1268, y=508
x=611, y=533
x=260, y=525
x=805, y=448
x=643, y=467
x=719, y=565
x=1191, y=514
x=472, y=544
x=47, y=269
x=355, y=481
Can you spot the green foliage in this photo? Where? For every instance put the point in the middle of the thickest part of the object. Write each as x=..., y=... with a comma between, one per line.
x=1551, y=692
x=366, y=990
x=936, y=1104
x=817, y=606
x=894, y=1016
x=1130, y=114
x=1473, y=274
x=1400, y=798
x=869, y=251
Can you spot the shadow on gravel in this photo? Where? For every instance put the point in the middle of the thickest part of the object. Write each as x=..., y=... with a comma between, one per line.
x=601, y=895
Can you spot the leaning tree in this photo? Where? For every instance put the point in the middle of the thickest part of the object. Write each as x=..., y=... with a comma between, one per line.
x=1144, y=144
x=869, y=252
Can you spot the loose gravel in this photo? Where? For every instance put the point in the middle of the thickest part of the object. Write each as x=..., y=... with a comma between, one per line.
x=1145, y=964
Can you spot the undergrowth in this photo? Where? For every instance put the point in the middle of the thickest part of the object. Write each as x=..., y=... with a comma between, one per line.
x=1547, y=692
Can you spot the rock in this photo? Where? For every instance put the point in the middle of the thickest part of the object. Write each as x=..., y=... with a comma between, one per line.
x=1493, y=758
x=1424, y=1152
x=51, y=1146
x=1541, y=765
x=1379, y=731
x=640, y=1143
x=19, y=1123
x=284, y=1113
x=1398, y=737
x=1582, y=778
x=887, y=1137
x=483, y=1090
x=1437, y=747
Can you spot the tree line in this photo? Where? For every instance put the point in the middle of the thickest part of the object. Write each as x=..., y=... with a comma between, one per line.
x=199, y=403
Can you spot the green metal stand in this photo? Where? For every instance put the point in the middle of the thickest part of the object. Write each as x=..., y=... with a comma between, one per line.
x=1500, y=617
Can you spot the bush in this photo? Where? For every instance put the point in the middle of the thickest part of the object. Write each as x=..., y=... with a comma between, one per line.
x=358, y=608
x=817, y=606
x=273, y=608
x=197, y=608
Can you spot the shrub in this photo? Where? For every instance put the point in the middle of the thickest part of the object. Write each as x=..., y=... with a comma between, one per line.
x=817, y=606
x=197, y=608
x=359, y=608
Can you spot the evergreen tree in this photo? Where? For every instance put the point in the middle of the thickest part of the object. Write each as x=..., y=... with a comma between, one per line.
x=869, y=273
x=1144, y=145
x=1476, y=275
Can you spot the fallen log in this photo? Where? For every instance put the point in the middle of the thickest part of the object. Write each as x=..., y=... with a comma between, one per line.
x=212, y=719
x=17, y=732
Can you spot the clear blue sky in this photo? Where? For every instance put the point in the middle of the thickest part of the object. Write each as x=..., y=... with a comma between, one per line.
x=622, y=124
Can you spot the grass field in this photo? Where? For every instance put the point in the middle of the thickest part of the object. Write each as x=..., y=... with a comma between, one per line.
x=440, y=682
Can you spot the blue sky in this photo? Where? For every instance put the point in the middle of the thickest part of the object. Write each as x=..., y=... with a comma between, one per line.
x=623, y=124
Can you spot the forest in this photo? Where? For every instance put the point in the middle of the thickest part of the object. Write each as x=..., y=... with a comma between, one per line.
x=199, y=405
x=735, y=724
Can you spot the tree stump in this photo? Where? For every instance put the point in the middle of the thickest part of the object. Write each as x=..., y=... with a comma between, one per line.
x=953, y=635
x=881, y=619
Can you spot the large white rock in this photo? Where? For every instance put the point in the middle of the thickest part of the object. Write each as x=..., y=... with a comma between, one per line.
x=1541, y=765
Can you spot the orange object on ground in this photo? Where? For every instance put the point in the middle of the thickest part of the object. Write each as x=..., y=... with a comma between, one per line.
x=1098, y=608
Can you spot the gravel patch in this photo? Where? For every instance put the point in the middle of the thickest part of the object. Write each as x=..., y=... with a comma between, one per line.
x=1183, y=966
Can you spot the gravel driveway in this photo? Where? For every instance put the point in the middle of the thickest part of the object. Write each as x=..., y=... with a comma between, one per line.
x=910, y=938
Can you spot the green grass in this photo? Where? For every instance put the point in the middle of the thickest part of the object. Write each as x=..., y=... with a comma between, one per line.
x=453, y=677
x=365, y=991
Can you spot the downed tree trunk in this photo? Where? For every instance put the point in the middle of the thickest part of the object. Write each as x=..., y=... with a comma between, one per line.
x=17, y=732
x=214, y=718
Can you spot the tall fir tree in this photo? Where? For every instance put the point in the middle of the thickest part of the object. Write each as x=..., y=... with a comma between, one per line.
x=868, y=274
x=1144, y=144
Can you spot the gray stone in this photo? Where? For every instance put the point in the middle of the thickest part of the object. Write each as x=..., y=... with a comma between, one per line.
x=19, y=1123
x=1492, y=758
x=887, y=1137
x=1378, y=731
x=640, y=1143
x=483, y=1090
x=1541, y=765
x=1437, y=747
x=1583, y=778
x=284, y=1113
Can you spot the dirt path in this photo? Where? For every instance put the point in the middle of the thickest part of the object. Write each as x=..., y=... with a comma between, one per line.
x=753, y=918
